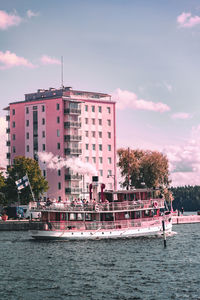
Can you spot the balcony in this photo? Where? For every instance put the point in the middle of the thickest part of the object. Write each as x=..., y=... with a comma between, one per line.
x=75, y=138
x=8, y=130
x=73, y=190
x=72, y=124
x=8, y=155
x=73, y=177
x=7, y=118
x=69, y=151
x=70, y=111
x=8, y=143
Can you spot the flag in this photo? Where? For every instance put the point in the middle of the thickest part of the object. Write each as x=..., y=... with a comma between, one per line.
x=22, y=183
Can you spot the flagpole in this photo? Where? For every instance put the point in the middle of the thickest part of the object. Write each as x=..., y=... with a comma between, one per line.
x=30, y=188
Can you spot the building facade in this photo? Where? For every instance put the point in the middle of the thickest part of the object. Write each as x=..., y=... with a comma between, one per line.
x=69, y=124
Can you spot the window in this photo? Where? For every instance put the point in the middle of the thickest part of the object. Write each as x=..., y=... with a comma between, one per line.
x=109, y=147
x=109, y=135
x=34, y=107
x=109, y=172
x=58, y=146
x=108, y=110
x=109, y=160
x=101, y=172
x=57, y=106
x=94, y=160
x=87, y=159
x=13, y=112
x=43, y=108
x=100, y=122
x=100, y=160
x=93, y=146
x=27, y=123
x=86, y=107
x=100, y=134
x=44, y=173
x=58, y=120
x=27, y=148
x=43, y=121
x=109, y=122
x=13, y=137
x=100, y=147
x=100, y=110
x=59, y=172
x=86, y=133
x=14, y=149
x=86, y=146
x=93, y=108
x=13, y=124
x=93, y=134
x=43, y=147
x=27, y=110
x=27, y=135
x=93, y=121
x=43, y=134
x=86, y=120
x=58, y=132
x=59, y=185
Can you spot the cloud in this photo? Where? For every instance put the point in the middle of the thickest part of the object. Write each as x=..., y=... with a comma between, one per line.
x=186, y=20
x=3, y=148
x=184, y=161
x=181, y=115
x=47, y=60
x=8, y=20
x=31, y=14
x=168, y=86
x=126, y=99
x=9, y=60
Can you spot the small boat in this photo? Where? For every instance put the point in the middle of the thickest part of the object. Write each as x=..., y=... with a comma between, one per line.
x=106, y=215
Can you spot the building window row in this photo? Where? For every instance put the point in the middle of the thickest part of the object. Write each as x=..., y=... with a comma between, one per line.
x=94, y=147
x=99, y=134
x=35, y=108
x=94, y=121
x=100, y=160
x=93, y=108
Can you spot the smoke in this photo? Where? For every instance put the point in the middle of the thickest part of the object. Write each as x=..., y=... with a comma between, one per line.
x=75, y=164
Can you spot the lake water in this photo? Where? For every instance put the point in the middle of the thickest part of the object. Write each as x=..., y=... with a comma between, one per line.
x=107, y=269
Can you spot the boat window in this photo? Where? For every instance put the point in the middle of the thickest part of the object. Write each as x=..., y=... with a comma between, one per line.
x=88, y=217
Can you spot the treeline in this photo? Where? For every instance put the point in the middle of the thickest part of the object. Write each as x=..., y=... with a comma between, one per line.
x=187, y=197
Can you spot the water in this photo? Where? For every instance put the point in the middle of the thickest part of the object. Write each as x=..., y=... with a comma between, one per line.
x=111, y=269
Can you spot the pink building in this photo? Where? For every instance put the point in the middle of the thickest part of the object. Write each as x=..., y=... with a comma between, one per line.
x=67, y=123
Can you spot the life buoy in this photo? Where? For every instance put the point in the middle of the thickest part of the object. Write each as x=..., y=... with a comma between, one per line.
x=155, y=204
x=97, y=207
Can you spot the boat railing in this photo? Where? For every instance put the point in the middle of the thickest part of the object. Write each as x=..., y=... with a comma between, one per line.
x=96, y=225
x=106, y=206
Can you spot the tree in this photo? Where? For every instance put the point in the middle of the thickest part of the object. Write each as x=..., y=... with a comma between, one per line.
x=143, y=166
x=2, y=184
x=22, y=166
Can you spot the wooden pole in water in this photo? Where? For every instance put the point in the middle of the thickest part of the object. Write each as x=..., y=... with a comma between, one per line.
x=164, y=234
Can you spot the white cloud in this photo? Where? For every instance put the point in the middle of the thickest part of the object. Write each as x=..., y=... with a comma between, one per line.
x=126, y=99
x=184, y=161
x=181, y=115
x=186, y=20
x=168, y=86
x=31, y=14
x=3, y=148
x=47, y=60
x=9, y=60
x=8, y=20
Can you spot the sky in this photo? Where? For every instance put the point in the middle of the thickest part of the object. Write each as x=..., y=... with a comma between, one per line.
x=144, y=53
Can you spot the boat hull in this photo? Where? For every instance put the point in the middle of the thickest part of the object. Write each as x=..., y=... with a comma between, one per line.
x=100, y=234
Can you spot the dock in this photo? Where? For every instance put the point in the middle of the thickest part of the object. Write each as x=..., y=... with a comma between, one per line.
x=185, y=219
x=14, y=225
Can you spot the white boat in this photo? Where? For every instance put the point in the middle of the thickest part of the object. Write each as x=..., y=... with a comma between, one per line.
x=114, y=214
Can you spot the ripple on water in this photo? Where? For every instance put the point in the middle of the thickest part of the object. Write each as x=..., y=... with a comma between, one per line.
x=111, y=269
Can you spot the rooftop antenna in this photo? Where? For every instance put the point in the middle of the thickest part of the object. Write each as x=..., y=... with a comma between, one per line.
x=62, y=72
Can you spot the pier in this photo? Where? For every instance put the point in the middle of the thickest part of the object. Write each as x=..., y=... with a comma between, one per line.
x=185, y=219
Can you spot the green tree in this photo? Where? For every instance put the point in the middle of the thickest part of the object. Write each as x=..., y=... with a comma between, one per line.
x=143, y=166
x=22, y=166
x=2, y=185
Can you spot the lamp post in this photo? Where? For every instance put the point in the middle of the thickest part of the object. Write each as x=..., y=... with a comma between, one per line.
x=113, y=176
